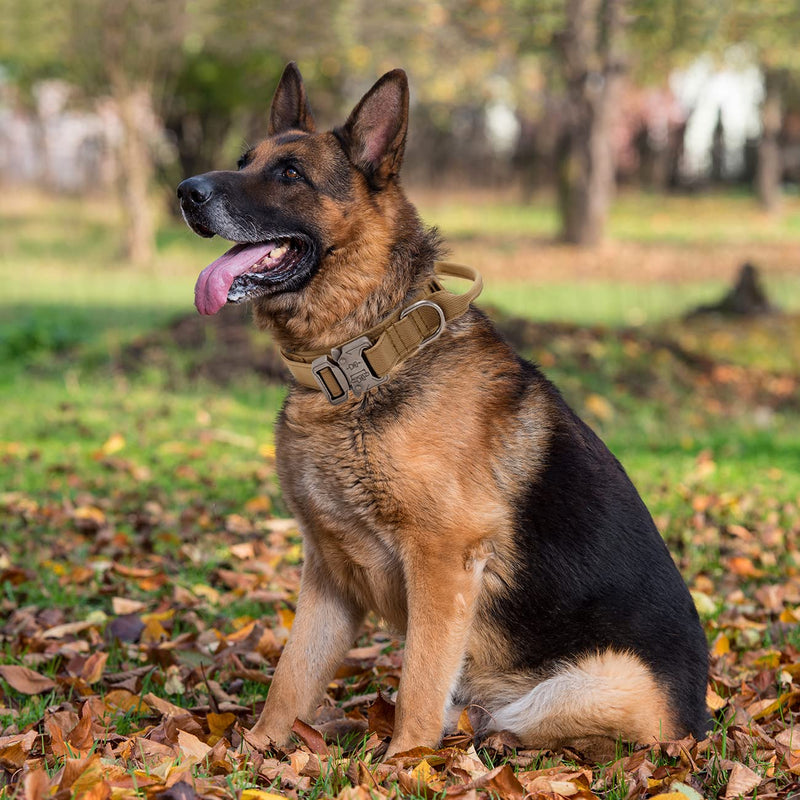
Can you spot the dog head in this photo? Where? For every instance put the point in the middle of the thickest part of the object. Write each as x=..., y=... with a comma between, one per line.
x=303, y=202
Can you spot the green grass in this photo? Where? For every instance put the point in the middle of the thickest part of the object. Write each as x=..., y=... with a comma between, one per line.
x=613, y=303
x=635, y=217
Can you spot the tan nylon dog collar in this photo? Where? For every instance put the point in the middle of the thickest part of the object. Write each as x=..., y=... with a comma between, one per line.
x=365, y=362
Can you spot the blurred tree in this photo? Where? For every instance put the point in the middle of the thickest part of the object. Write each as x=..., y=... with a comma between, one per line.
x=590, y=54
x=771, y=32
x=127, y=49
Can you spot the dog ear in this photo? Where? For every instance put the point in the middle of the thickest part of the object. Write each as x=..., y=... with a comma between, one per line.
x=290, y=109
x=375, y=133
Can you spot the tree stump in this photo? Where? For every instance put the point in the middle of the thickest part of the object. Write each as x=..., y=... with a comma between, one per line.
x=746, y=298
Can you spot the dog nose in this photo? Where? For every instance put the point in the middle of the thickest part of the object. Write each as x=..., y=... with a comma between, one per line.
x=196, y=191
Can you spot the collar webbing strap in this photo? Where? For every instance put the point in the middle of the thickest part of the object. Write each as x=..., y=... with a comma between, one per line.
x=365, y=362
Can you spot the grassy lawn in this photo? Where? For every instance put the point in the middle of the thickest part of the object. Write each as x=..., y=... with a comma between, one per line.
x=138, y=488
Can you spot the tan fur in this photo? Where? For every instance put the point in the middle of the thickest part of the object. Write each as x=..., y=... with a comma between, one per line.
x=405, y=526
x=603, y=696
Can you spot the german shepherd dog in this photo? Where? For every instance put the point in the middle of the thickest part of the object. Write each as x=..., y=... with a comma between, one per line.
x=456, y=495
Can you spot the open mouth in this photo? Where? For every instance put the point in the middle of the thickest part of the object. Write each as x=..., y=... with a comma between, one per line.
x=247, y=270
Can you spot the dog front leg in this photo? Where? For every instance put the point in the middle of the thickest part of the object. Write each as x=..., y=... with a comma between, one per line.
x=441, y=602
x=324, y=628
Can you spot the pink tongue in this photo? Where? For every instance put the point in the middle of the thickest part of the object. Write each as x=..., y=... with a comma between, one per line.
x=214, y=282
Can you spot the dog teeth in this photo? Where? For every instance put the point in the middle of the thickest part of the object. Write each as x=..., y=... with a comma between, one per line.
x=280, y=251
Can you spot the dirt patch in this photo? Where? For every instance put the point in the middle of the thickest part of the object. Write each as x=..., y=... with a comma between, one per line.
x=731, y=365
x=221, y=349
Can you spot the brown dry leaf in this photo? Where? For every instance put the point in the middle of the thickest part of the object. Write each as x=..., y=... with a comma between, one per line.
x=37, y=785
x=74, y=768
x=68, y=629
x=260, y=504
x=53, y=726
x=154, y=632
x=193, y=750
x=133, y=572
x=220, y=724
x=414, y=787
x=744, y=567
x=164, y=707
x=96, y=790
x=764, y=708
x=741, y=781
x=789, y=738
x=500, y=781
x=243, y=550
x=310, y=737
x=380, y=717
x=14, y=750
x=464, y=724
x=93, y=668
x=88, y=518
x=25, y=680
x=123, y=605
x=556, y=780
x=81, y=738
x=123, y=700
x=714, y=701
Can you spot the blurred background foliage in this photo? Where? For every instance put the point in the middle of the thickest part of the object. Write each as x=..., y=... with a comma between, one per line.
x=571, y=95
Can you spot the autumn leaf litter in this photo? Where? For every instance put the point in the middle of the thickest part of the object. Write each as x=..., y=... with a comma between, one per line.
x=146, y=684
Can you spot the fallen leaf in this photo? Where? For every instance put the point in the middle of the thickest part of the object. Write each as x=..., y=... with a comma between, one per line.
x=81, y=739
x=721, y=646
x=220, y=724
x=37, y=785
x=14, y=753
x=163, y=707
x=25, y=680
x=380, y=717
x=500, y=781
x=93, y=668
x=423, y=773
x=124, y=605
x=741, y=781
x=113, y=444
x=180, y=790
x=260, y=794
x=714, y=701
x=127, y=628
x=192, y=749
x=599, y=407
x=310, y=737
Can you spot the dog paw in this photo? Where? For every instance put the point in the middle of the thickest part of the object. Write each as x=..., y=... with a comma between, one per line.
x=261, y=741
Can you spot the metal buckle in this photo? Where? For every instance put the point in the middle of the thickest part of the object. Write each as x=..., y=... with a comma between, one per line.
x=357, y=371
x=438, y=332
x=324, y=362
x=349, y=369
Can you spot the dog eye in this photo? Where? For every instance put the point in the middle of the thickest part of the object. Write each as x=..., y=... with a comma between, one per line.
x=244, y=159
x=292, y=174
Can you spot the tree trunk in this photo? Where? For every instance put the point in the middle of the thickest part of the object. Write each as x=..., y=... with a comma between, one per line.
x=590, y=56
x=769, y=166
x=136, y=173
